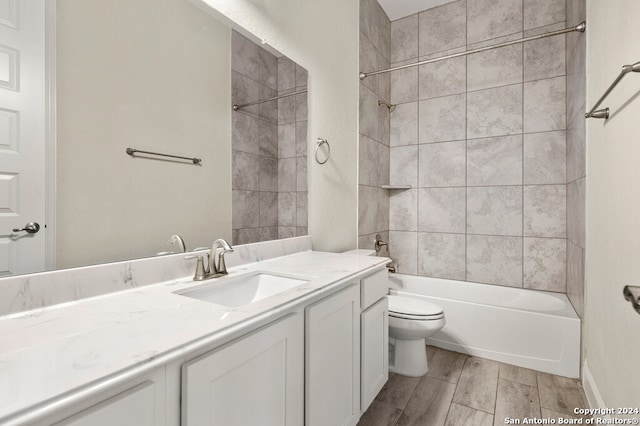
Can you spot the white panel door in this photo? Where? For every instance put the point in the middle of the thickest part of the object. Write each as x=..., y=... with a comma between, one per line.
x=256, y=380
x=333, y=360
x=22, y=134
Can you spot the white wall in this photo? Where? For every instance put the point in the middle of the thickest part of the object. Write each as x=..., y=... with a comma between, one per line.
x=612, y=328
x=321, y=36
x=153, y=76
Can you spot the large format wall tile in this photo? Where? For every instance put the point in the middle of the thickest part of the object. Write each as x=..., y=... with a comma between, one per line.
x=287, y=209
x=287, y=175
x=246, y=171
x=404, y=165
x=576, y=149
x=575, y=277
x=403, y=210
x=404, y=38
x=246, y=208
x=245, y=132
x=442, y=255
x=545, y=264
x=494, y=161
x=443, y=28
x=545, y=211
x=442, y=164
x=368, y=62
x=286, y=73
x=492, y=18
x=442, y=78
x=404, y=84
x=267, y=139
x=544, y=58
x=368, y=161
x=494, y=210
x=494, y=260
x=494, y=68
x=538, y=13
x=404, y=124
x=494, y=112
x=442, y=210
x=368, y=112
x=545, y=105
x=268, y=174
x=544, y=158
x=403, y=249
x=301, y=174
x=367, y=209
x=576, y=212
x=268, y=209
x=442, y=119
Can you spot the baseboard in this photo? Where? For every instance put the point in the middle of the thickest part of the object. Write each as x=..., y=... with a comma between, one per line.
x=594, y=399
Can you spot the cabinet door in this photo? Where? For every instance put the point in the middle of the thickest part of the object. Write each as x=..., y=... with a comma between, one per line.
x=255, y=380
x=141, y=405
x=375, y=351
x=333, y=360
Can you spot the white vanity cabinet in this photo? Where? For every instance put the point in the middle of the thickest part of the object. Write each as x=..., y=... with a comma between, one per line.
x=257, y=379
x=333, y=360
x=374, y=346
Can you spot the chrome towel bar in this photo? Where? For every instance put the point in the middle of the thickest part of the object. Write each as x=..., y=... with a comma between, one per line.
x=604, y=113
x=133, y=151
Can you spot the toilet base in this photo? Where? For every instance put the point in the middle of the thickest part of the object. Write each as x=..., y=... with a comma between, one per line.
x=408, y=357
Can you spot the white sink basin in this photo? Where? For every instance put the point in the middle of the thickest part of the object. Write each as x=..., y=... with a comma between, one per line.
x=242, y=290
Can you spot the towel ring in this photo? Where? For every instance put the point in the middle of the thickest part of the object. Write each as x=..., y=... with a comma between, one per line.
x=321, y=142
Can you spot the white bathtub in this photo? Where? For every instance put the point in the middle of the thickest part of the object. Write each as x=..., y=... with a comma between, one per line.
x=532, y=329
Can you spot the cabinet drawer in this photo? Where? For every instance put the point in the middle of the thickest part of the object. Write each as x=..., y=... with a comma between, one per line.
x=373, y=288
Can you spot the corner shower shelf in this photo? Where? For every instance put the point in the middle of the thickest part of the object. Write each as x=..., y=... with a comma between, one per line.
x=400, y=187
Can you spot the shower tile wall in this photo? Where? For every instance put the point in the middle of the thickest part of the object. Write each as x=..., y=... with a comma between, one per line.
x=576, y=157
x=373, y=165
x=292, y=150
x=481, y=139
x=268, y=146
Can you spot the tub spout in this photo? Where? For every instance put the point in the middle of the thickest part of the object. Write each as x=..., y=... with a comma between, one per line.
x=391, y=268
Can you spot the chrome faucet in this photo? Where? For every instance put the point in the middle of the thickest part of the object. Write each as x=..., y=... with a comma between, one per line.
x=212, y=269
x=220, y=268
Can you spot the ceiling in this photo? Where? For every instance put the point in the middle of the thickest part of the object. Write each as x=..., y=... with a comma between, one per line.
x=397, y=9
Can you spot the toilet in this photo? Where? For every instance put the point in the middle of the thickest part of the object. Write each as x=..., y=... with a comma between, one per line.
x=411, y=320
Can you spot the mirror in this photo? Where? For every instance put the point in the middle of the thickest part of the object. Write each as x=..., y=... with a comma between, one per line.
x=161, y=77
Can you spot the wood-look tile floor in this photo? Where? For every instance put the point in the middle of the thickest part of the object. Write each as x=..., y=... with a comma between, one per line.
x=462, y=390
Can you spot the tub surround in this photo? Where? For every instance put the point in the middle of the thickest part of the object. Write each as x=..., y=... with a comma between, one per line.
x=109, y=339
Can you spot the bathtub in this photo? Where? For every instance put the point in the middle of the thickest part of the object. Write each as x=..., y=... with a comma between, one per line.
x=528, y=328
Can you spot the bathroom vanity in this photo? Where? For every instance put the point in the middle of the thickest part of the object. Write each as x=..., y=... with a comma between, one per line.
x=162, y=354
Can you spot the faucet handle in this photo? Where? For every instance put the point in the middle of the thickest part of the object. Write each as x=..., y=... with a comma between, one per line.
x=222, y=267
x=201, y=269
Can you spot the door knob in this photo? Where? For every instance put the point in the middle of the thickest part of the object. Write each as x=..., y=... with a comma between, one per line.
x=31, y=228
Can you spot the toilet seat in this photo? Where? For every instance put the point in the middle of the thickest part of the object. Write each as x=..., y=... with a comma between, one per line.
x=414, y=309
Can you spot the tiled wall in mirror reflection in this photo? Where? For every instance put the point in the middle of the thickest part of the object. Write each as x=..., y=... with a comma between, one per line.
x=269, y=143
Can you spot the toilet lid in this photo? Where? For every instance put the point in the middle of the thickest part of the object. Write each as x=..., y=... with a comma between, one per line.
x=411, y=307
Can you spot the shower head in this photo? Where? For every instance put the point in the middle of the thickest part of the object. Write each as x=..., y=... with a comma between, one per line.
x=391, y=107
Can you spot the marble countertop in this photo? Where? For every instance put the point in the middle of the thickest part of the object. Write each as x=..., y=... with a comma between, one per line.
x=52, y=353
